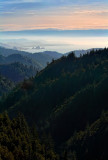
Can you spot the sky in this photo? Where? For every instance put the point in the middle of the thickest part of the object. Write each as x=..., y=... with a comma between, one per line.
x=56, y=14
x=59, y=25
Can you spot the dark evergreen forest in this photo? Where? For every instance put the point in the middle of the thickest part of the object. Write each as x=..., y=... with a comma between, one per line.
x=60, y=114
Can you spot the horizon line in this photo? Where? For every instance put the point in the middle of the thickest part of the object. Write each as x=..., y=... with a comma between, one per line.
x=54, y=29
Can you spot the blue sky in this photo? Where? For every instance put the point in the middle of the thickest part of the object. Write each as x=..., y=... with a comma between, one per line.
x=59, y=14
x=61, y=25
x=26, y=5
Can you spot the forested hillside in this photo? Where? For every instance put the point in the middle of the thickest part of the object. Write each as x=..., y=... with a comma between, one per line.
x=17, y=72
x=90, y=143
x=20, y=59
x=39, y=60
x=65, y=97
x=18, y=141
x=16, y=67
x=5, y=85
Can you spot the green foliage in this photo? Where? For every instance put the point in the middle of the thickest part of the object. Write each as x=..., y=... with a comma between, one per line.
x=90, y=143
x=18, y=141
x=5, y=86
x=17, y=72
x=68, y=94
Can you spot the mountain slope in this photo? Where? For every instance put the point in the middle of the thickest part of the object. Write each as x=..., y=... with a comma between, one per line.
x=53, y=54
x=65, y=96
x=13, y=58
x=81, y=52
x=18, y=141
x=45, y=57
x=7, y=52
x=5, y=85
x=17, y=72
x=40, y=59
x=90, y=143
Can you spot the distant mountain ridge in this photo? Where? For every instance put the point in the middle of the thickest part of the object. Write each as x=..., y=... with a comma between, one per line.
x=15, y=65
x=7, y=51
x=53, y=54
x=41, y=58
x=13, y=73
x=13, y=58
x=82, y=51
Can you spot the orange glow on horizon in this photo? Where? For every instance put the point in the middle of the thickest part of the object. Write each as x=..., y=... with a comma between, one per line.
x=63, y=19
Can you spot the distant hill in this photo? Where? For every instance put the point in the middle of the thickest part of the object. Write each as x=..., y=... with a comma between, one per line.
x=40, y=59
x=17, y=72
x=81, y=52
x=6, y=52
x=52, y=54
x=13, y=58
x=14, y=69
x=5, y=85
x=17, y=67
x=45, y=57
